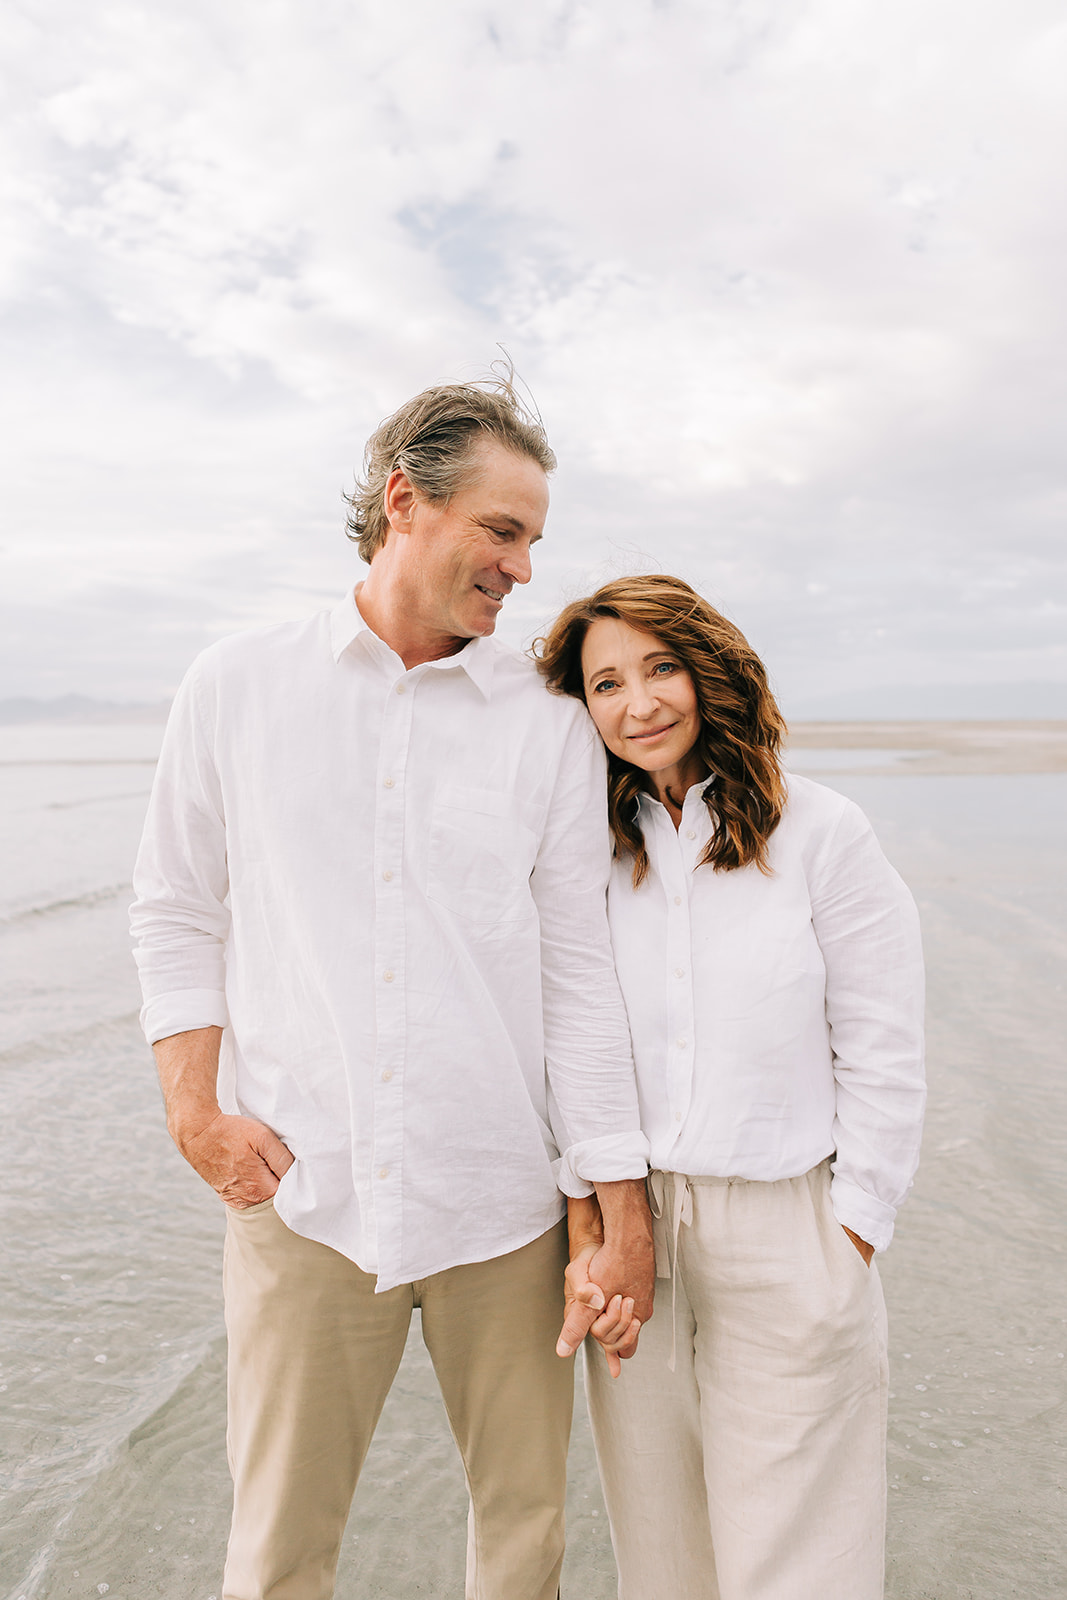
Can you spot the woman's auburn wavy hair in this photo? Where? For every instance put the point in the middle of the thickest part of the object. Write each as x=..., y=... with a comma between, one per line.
x=741, y=727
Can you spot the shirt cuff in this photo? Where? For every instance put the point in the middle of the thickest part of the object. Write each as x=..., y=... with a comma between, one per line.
x=612, y=1158
x=854, y=1208
x=183, y=1011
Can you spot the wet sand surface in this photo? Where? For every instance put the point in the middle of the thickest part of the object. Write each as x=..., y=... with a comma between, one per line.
x=112, y=1380
x=917, y=748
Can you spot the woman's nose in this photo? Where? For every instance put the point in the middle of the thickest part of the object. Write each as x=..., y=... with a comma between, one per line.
x=643, y=703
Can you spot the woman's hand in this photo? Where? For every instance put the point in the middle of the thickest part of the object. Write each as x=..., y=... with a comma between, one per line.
x=866, y=1250
x=616, y=1332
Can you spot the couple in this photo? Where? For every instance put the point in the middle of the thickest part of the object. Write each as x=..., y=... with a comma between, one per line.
x=381, y=987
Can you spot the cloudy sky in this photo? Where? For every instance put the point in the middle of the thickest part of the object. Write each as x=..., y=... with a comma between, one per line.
x=784, y=276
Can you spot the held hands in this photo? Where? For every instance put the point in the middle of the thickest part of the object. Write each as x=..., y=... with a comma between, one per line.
x=613, y=1325
x=609, y=1282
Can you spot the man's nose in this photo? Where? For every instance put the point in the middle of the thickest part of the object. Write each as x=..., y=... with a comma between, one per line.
x=515, y=562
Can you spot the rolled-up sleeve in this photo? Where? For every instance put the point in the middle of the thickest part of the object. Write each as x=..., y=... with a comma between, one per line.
x=180, y=918
x=592, y=1089
x=868, y=930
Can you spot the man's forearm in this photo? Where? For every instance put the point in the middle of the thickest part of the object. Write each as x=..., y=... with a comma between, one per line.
x=240, y=1158
x=188, y=1066
x=624, y=1204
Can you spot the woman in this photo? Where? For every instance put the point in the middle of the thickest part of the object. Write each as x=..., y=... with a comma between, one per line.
x=770, y=961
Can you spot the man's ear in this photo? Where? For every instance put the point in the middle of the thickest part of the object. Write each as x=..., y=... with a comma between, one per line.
x=399, y=500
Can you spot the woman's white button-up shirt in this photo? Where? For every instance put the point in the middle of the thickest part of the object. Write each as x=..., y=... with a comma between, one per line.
x=777, y=1017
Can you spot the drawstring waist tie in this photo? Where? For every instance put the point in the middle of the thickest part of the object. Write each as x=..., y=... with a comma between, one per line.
x=670, y=1199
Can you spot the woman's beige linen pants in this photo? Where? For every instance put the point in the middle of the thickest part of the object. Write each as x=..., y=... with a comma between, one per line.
x=312, y=1354
x=755, y=1470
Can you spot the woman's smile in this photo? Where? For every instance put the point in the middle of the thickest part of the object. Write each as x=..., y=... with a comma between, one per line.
x=643, y=702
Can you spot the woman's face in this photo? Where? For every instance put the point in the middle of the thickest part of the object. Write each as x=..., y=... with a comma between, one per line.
x=640, y=696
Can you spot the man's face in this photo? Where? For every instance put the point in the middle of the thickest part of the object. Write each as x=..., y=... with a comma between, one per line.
x=464, y=558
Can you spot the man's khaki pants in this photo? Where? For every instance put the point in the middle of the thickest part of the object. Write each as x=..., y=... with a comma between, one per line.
x=312, y=1354
x=755, y=1470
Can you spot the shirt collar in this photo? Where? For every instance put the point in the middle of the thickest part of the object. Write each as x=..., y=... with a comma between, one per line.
x=693, y=796
x=347, y=624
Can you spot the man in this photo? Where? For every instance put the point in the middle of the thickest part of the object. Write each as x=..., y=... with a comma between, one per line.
x=377, y=977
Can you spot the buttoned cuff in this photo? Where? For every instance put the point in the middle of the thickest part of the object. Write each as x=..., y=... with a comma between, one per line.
x=854, y=1208
x=183, y=1011
x=611, y=1158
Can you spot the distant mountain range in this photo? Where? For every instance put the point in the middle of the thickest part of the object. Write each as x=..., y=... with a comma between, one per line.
x=944, y=702
x=80, y=708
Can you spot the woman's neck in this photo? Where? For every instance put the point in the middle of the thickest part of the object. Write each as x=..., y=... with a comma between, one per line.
x=671, y=785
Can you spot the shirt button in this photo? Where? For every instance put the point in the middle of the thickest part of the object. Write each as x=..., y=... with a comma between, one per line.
x=388, y=783
x=677, y=1116
x=386, y=1075
x=679, y=972
x=677, y=899
x=388, y=976
x=682, y=1043
x=690, y=834
x=387, y=876
x=383, y=1172
x=400, y=688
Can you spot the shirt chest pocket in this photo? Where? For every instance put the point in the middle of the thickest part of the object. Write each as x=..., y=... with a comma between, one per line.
x=483, y=844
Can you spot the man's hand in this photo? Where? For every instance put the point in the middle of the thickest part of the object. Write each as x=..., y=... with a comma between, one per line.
x=239, y=1157
x=866, y=1250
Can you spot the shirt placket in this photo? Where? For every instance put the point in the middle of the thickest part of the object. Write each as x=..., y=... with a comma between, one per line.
x=675, y=874
x=389, y=973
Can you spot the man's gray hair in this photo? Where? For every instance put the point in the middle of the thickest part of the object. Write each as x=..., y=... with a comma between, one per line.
x=432, y=439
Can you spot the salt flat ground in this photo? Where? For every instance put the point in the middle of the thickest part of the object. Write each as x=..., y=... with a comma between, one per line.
x=111, y=1344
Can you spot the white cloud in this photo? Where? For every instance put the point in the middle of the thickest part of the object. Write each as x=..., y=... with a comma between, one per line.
x=784, y=279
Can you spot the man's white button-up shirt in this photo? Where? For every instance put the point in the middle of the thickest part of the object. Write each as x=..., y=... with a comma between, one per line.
x=388, y=886
x=777, y=1017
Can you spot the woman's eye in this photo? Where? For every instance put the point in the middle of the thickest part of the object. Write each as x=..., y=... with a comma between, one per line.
x=664, y=667
x=605, y=683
